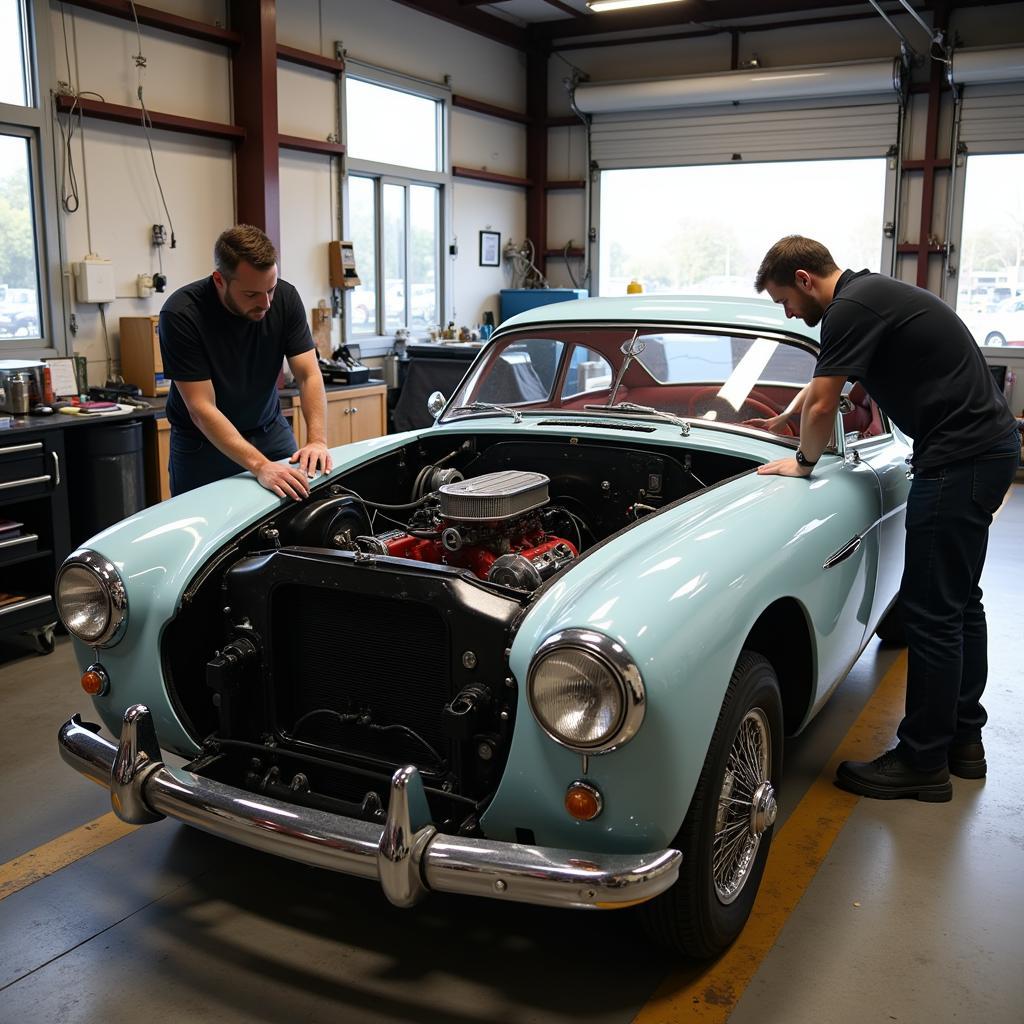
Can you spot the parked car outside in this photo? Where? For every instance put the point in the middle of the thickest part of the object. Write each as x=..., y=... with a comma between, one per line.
x=19, y=313
x=545, y=650
x=1003, y=326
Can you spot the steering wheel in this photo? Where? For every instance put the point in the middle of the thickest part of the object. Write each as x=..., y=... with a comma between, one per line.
x=708, y=398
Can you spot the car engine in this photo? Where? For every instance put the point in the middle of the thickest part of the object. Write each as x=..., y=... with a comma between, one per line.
x=494, y=525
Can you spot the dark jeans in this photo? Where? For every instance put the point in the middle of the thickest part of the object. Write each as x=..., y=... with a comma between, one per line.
x=949, y=512
x=195, y=461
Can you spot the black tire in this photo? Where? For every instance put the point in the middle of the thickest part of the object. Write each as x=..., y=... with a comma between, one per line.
x=703, y=913
x=892, y=630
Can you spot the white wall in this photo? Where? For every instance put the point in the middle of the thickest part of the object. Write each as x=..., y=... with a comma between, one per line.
x=120, y=201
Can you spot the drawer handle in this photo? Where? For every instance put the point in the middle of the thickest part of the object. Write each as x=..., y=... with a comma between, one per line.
x=45, y=478
x=28, y=603
x=19, y=540
x=32, y=446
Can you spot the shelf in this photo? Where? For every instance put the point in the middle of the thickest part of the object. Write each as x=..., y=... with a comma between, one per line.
x=309, y=59
x=498, y=179
x=311, y=145
x=161, y=19
x=133, y=115
x=479, y=107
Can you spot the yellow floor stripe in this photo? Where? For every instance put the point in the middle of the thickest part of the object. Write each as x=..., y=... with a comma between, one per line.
x=44, y=860
x=709, y=994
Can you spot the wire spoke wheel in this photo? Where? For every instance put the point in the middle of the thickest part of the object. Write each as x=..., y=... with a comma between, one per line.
x=746, y=802
x=727, y=833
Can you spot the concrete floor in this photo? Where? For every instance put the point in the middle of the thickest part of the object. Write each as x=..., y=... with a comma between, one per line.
x=917, y=913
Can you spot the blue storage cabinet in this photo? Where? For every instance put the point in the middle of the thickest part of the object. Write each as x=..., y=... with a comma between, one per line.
x=516, y=300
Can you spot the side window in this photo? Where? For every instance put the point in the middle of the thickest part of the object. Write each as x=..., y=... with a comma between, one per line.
x=588, y=371
x=523, y=372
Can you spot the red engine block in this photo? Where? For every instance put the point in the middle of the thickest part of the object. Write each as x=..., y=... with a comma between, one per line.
x=477, y=557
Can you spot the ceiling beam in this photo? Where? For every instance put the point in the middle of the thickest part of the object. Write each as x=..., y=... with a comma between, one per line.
x=700, y=12
x=473, y=20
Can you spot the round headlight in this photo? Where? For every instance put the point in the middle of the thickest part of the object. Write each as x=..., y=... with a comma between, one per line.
x=91, y=599
x=585, y=692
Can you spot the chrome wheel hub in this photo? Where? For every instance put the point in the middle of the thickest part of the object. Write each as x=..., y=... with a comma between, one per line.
x=746, y=806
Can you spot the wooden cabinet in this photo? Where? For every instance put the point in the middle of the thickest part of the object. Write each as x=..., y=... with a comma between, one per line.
x=353, y=414
x=34, y=536
x=141, y=362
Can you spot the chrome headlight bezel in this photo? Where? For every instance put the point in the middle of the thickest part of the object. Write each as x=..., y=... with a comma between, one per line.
x=613, y=657
x=112, y=586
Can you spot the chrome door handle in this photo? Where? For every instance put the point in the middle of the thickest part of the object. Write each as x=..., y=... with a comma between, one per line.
x=56, y=469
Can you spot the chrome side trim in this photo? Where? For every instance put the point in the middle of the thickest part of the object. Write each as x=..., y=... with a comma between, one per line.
x=419, y=861
x=844, y=552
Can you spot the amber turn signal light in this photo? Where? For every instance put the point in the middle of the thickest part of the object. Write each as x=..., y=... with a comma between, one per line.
x=95, y=681
x=583, y=801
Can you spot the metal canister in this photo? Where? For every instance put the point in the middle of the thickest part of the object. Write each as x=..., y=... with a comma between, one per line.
x=19, y=388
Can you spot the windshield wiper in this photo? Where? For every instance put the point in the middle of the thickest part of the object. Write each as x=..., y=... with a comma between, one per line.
x=633, y=407
x=517, y=416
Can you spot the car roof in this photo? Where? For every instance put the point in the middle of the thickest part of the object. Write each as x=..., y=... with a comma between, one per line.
x=717, y=311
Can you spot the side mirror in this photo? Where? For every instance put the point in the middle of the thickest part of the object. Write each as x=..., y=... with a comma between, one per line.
x=435, y=403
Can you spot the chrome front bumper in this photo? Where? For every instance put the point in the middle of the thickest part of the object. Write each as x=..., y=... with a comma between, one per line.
x=407, y=855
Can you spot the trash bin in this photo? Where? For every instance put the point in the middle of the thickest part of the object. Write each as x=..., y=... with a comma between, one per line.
x=106, y=477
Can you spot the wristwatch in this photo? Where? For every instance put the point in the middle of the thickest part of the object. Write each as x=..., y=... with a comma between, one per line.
x=802, y=460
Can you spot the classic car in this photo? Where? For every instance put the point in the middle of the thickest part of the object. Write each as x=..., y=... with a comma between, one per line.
x=544, y=650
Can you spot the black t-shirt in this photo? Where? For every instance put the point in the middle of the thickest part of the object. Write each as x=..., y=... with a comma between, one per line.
x=918, y=361
x=200, y=339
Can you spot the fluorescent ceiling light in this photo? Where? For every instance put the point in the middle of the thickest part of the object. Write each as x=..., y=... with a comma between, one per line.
x=621, y=5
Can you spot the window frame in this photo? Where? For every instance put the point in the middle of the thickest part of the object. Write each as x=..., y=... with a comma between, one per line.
x=379, y=342
x=951, y=280
x=34, y=122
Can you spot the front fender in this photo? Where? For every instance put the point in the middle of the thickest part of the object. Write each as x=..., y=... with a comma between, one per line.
x=681, y=591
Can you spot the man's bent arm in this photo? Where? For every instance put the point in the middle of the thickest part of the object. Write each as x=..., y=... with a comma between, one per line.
x=313, y=454
x=201, y=401
x=817, y=421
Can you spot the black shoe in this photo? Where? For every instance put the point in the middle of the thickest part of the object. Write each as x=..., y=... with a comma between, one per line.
x=967, y=760
x=890, y=778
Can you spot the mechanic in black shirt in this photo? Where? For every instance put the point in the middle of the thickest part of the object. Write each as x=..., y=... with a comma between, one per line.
x=223, y=340
x=921, y=364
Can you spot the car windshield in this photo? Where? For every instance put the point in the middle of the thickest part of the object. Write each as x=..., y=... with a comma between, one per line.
x=703, y=375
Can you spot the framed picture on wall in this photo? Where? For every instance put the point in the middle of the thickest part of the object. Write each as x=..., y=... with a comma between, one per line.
x=490, y=248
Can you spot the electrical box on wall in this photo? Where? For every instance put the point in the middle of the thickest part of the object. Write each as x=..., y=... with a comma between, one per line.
x=94, y=279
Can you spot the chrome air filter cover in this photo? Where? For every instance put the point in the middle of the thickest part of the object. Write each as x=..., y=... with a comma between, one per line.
x=494, y=496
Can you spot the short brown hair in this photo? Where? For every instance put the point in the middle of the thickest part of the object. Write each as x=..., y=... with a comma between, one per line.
x=790, y=254
x=243, y=243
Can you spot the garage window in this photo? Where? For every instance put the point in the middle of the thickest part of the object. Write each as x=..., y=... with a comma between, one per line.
x=705, y=229
x=397, y=192
x=990, y=296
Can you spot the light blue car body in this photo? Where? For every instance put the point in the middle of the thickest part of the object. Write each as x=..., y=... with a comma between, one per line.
x=680, y=591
